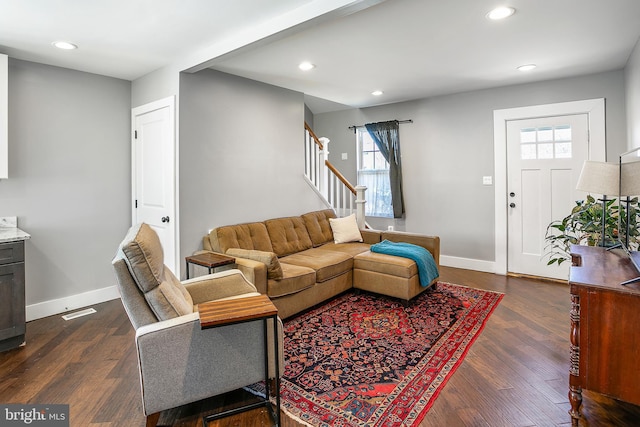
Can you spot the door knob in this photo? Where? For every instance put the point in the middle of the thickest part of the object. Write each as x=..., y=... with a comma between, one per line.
x=512, y=205
x=164, y=219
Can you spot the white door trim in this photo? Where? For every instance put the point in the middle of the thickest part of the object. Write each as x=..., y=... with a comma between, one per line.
x=594, y=108
x=169, y=102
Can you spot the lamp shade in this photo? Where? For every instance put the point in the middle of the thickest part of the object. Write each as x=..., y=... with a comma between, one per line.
x=600, y=178
x=630, y=179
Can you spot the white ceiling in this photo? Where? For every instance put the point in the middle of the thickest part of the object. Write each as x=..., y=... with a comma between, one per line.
x=125, y=38
x=410, y=49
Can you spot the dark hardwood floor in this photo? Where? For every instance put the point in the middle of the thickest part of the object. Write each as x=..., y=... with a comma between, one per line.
x=515, y=374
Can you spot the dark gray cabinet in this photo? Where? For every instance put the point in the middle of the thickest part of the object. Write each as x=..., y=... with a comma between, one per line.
x=12, y=304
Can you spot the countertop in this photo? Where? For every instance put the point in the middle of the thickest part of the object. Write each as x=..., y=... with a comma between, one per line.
x=9, y=231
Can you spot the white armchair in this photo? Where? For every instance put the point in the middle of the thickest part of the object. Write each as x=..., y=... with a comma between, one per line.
x=180, y=363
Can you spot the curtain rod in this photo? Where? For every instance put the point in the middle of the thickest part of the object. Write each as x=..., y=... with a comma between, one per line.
x=354, y=127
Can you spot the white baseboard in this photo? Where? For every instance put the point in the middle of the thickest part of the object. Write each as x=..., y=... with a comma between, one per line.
x=72, y=302
x=468, y=263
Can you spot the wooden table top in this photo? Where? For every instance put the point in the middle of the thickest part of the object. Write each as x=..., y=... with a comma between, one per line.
x=208, y=259
x=597, y=267
x=218, y=313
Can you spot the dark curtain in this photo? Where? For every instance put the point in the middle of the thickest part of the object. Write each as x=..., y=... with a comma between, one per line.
x=386, y=135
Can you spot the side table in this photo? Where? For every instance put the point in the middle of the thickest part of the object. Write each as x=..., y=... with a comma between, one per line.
x=209, y=260
x=228, y=312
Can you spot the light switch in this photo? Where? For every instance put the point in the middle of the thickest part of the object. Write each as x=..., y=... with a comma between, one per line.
x=487, y=180
x=344, y=156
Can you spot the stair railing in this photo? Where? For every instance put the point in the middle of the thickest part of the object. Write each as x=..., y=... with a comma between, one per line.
x=335, y=190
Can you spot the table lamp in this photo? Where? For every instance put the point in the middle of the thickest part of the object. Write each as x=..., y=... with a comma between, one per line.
x=600, y=178
x=629, y=186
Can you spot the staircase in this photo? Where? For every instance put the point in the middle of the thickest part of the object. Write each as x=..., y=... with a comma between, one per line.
x=332, y=187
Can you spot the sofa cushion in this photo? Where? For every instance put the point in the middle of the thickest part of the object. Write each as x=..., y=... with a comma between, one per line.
x=274, y=270
x=352, y=248
x=142, y=252
x=318, y=226
x=345, y=229
x=386, y=264
x=294, y=279
x=251, y=235
x=327, y=264
x=288, y=235
x=431, y=243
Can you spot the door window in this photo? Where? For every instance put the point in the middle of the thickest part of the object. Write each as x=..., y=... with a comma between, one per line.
x=546, y=142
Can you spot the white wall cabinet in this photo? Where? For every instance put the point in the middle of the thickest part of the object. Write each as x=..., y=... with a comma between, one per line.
x=4, y=116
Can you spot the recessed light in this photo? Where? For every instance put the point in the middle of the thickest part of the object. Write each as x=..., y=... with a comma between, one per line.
x=527, y=67
x=377, y=93
x=64, y=45
x=501, y=13
x=306, y=66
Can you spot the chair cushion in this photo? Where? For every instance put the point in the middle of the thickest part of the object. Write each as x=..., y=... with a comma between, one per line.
x=288, y=235
x=274, y=270
x=318, y=226
x=327, y=264
x=142, y=252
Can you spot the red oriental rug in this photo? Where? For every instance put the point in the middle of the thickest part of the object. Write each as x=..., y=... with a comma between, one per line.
x=366, y=360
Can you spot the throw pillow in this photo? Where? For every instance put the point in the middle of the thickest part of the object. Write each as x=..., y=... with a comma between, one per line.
x=345, y=229
x=274, y=270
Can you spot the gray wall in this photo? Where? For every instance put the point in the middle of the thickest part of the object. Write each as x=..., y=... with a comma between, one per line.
x=308, y=116
x=156, y=85
x=241, y=154
x=70, y=175
x=632, y=81
x=449, y=147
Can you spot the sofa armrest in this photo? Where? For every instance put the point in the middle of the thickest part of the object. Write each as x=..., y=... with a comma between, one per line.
x=371, y=236
x=218, y=285
x=430, y=243
x=180, y=363
x=254, y=271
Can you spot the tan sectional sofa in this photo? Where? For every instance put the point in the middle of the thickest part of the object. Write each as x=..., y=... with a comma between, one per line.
x=295, y=261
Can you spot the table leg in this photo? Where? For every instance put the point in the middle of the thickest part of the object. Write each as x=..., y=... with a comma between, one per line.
x=265, y=323
x=276, y=354
x=575, y=389
x=575, y=398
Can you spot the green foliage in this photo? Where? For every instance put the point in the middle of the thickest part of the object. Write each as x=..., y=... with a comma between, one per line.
x=583, y=226
x=631, y=214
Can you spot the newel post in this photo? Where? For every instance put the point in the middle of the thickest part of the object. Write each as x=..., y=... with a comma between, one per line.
x=324, y=171
x=360, y=201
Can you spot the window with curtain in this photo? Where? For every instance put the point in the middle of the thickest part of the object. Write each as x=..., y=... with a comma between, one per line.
x=373, y=172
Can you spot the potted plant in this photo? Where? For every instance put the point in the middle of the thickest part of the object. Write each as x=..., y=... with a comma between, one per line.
x=583, y=226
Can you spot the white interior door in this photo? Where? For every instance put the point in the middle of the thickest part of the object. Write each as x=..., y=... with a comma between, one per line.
x=154, y=173
x=545, y=157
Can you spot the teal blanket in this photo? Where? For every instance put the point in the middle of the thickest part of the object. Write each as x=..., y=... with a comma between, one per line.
x=427, y=268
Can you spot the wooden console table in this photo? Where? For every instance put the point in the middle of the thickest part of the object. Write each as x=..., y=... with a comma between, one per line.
x=605, y=322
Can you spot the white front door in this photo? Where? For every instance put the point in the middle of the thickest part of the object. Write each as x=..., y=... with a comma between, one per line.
x=545, y=157
x=154, y=173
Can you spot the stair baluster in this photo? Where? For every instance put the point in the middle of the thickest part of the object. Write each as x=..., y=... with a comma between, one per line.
x=332, y=187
